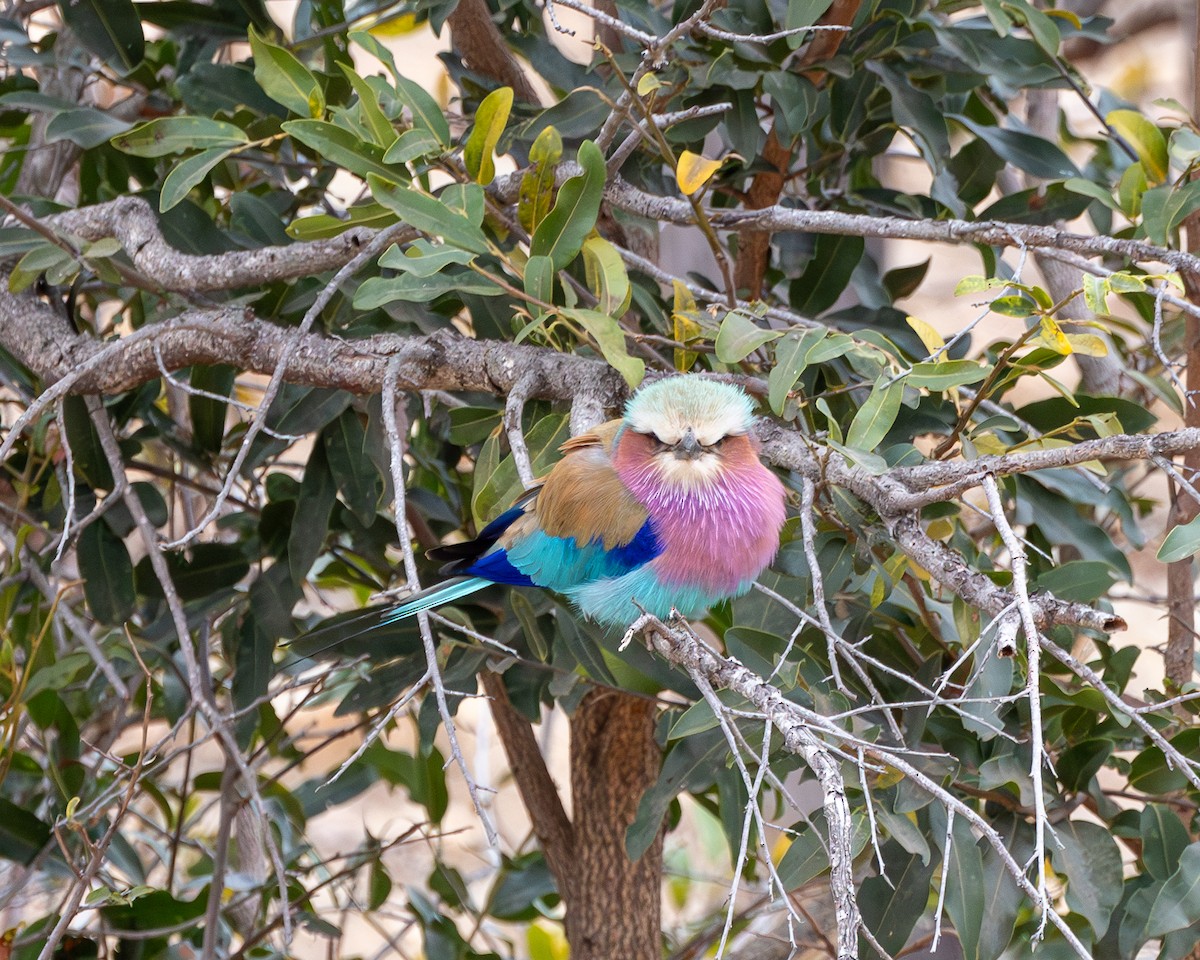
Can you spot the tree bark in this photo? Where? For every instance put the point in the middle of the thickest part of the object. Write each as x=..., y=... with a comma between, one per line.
x=1179, y=659
x=614, y=759
x=478, y=41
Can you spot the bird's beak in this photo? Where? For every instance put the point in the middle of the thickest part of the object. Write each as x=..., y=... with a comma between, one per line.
x=688, y=448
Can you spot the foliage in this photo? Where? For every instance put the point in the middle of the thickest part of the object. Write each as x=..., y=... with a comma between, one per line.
x=170, y=534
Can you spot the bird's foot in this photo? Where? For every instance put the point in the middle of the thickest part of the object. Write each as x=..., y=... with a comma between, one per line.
x=634, y=629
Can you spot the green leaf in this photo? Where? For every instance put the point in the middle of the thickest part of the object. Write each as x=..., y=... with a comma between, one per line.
x=207, y=568
x=739, y=336
x=807, y=856
x=86, y=127
x=875, y=418
x=186, y=174
x=1078, y=580
x=1178, y=902
x=1131, y=188
x=45, y=258
x=425, y=111
x=1001, y=899
x=689, y=764
x=1166, y=207
x=178, y=135
x=285, y=79
x=1095, y=293
x=1164, y=839
x=1088, y=855
x=378, y=50
x=830, y=347
x=353, y=470
x=318, y=492
x=496, y=482
x=560, y=236
x=1146, y=139
x=1183, y=541
x=1093, y=190
x=22, y=834
x=413, y=288
x=1041, y=27
x=422, y=776
x=1014, y=305
x=791, y=360
x=423, y=259
x=88, y=455
x=943, y=376
x=340, y=146
x=429, y=215
x=964, y=864
x=539, y=279
x=208, y=412
x=892, y=906
x=379, y=886
x=606, y=276
x=803, y=13
x=1031, y=154
x=411, y=145
x=111, y=29
x=107, y=574
x=382, y=131
x=323, y=226
x=536, y=193
x=610, y=338
x=490, y=120
x=14, y=240
x=1038, y=205
x=827, y=274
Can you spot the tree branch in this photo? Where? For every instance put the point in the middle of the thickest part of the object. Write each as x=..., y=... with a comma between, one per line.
x=132, y=222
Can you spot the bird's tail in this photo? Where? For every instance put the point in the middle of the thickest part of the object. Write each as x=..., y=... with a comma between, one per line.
x=378, y=622
x=445, y=592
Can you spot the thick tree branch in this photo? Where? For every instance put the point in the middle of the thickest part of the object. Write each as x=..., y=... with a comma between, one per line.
x=34, y=333
x=538, y=790
x=132, y=222
x=481, y=46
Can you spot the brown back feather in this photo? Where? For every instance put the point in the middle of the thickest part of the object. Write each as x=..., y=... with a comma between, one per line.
x=583, y=498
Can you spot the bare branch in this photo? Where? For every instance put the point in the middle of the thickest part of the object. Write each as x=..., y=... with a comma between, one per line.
x=131, y=221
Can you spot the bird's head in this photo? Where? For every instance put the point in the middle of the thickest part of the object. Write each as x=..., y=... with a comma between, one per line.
x=691, y=429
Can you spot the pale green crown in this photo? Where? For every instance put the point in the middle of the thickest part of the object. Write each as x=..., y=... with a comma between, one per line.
x=667, y=407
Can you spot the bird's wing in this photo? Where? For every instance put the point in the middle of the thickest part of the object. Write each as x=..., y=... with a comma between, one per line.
x=585, y=525
x=580, y=524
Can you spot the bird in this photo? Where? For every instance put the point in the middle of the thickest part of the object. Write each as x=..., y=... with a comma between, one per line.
x=668, y=510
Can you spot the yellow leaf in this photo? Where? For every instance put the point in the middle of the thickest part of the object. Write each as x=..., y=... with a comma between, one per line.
x=940, y=528
x=988, y=445
x=888, y=777
x=401, y=25
x=1070, y=16
x=683, y=318
x=1088, y=344
x=930, y=338
x=648, y=84
x=694, y=171
x=1052, y=336
x=878, y=592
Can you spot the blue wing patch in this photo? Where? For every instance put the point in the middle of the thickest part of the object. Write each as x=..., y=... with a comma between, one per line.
x=497, y=568
x=540, y=560
x=561, y=563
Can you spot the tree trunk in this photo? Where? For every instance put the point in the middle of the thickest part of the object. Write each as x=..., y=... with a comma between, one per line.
x=617, y=913
x=613, y=909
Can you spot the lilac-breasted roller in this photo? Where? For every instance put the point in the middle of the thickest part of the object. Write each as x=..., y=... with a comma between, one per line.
x=667, y=508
